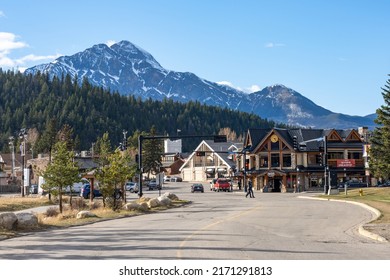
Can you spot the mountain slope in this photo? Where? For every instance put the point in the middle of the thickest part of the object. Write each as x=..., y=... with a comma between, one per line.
x=283, y=104
x=130, y=70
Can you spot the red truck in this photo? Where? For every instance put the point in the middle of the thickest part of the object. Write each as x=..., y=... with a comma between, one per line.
x=222, y=184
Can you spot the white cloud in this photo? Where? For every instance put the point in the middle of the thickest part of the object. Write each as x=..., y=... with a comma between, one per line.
x=274, y=45
x=226, y=83
x=254, y=88
x=10, y=42
x=33, y=57
x=110, y=43
x=6, y=61
x=2, y=14
x=250, y=89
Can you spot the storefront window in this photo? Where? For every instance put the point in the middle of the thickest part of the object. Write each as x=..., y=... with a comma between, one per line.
x=355, y=155
x=264, y=161
x=275, y=160
x=286, y=160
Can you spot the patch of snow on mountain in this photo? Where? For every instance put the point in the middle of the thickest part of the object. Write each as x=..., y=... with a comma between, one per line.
x=296, y=112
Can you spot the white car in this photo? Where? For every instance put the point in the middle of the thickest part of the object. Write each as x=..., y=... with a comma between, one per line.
x=76, y=188
x=131, y=187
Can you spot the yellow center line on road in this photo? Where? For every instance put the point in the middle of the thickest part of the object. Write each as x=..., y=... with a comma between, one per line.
x=234, y=217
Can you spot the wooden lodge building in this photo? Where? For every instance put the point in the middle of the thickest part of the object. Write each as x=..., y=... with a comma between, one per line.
x=286, y=160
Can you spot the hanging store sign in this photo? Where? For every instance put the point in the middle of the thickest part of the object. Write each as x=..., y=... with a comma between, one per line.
x=346, y=163
x=271, y=174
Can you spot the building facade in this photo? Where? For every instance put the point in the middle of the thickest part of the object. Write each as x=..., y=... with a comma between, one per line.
x=287, y=160
x=210, y=160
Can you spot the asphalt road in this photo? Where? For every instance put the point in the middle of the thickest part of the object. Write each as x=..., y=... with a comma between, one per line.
x=271, y=226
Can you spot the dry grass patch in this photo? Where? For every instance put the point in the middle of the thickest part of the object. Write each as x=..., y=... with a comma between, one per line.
x=68, y=216
x=11, y=204
x=52, y=218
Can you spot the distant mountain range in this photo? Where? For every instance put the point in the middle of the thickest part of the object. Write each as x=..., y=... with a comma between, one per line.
x=129, y=69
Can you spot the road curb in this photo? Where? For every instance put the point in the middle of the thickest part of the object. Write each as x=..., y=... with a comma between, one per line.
x=376, y=213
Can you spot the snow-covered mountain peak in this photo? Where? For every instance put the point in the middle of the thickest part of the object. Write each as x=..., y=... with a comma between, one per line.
x=128, y=69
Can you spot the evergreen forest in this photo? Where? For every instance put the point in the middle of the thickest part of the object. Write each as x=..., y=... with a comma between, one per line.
x=38, y=101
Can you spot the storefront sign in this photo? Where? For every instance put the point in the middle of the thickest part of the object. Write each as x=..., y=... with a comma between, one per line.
x=346, y=163
x=271, y=174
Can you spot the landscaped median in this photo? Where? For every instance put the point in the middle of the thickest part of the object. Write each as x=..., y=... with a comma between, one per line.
x=79, y=213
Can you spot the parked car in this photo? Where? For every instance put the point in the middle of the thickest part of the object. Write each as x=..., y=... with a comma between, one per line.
x=176, y=179
x=355, y=184
x=152, y=185
x=86, y=192
x=34, y=189
x=167, y=178
x=222, y=184
x=197, y=187
x=131, y=187
x=212, y=183
x=76, y=187
x=384, y=184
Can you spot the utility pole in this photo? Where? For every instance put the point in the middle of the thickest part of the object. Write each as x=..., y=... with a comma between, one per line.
x=124, y=139
x=22, y=136
x=325, y=158
x=12, y=147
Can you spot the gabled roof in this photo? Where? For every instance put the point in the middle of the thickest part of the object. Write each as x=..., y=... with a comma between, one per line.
x=256, y=137
x=222, y=150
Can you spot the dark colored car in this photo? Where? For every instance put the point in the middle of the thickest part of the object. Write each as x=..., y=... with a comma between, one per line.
x=152, y=185
x=86, y=192
x=176, y=179
x=384, y=184
x=355, y=184
x=197, y=188
x=34, y=189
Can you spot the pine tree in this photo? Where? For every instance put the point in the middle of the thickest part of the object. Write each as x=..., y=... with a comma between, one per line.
x=103, y=149
x=61, y=172
x=152, y=153
x=380, y=141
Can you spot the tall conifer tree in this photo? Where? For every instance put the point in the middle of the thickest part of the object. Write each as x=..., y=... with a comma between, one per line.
x=380, y=148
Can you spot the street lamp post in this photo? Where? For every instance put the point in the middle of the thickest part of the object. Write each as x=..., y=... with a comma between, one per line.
x=23, y=136
x=12, y=147
x=247, y=148
x=325, y=164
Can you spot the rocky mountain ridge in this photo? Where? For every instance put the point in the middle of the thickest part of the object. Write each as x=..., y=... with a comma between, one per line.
x=128, y=69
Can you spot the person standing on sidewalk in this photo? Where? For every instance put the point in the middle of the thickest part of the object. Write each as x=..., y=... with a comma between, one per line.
x=250, y=190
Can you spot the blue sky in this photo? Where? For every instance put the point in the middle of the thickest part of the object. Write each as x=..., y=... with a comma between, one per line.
x=335, y=53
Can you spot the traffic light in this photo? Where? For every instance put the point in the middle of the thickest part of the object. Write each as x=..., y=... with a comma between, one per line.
x=321, y=160
x=136, y=158
x=200, y=154
x=246, y=164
